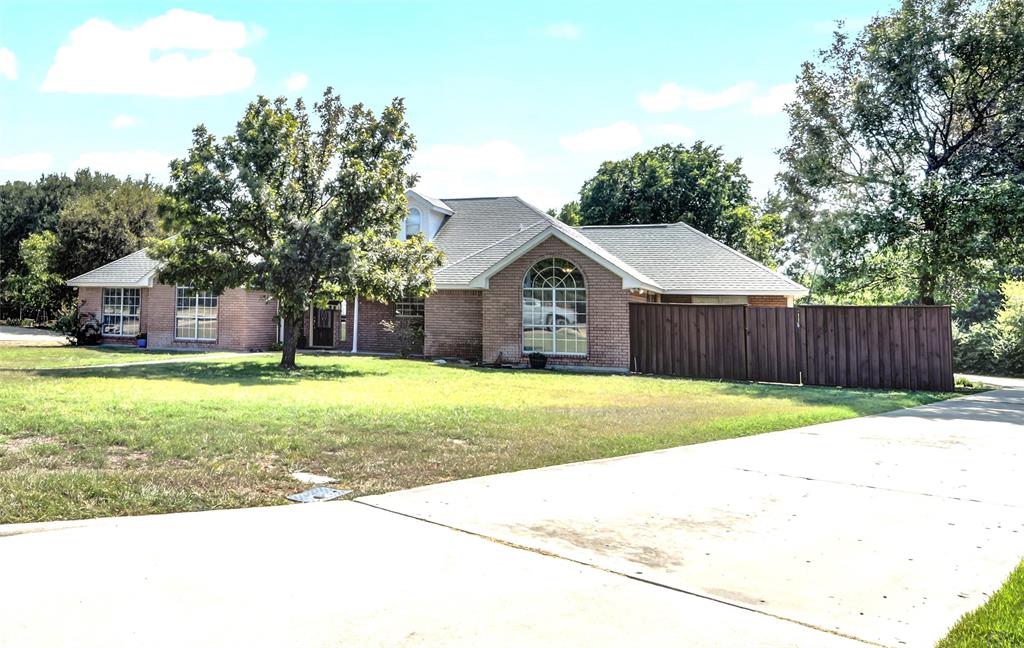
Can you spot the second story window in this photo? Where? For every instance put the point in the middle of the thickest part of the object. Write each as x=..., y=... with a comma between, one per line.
x=412, y=222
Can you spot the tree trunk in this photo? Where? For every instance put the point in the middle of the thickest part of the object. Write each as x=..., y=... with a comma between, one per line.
x=926, y=287
x=292, y=328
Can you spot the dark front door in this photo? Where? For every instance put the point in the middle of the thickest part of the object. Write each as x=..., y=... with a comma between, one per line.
x=323, y=328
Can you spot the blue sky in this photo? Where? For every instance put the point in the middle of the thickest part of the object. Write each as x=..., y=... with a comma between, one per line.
x=519, y=98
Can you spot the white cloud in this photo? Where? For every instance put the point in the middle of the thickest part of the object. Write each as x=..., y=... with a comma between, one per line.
x=8, y=64
x=123, y=121
x=500, y=157
x=671, y=96
x=773, y=102
x=670, y=131
x=297, y=82
x=125, y=163
x=564, y=31
x=496, y=167
x=620, y=136
x=26, y=162
x=102, y=58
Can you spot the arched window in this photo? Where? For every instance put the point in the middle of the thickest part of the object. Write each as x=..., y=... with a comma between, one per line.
x=412, y=222
x=555, y=309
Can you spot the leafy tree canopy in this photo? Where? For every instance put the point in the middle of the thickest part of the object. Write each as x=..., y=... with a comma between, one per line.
x=306, y=211
x=674, y=183
x=28, y=207
x=905, y=170
x=100, y=227
x=568, y=214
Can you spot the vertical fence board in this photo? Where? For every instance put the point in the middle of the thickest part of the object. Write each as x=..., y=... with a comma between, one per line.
x=902, y=347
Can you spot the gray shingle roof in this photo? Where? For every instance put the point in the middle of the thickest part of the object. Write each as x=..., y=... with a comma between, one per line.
x=484, y=233
x=436, y=202
x=481, y=232
x=132, y=270
x=682, y=259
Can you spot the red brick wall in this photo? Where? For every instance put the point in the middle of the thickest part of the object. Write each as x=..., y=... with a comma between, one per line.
x=453, y=324
x=765, y=301
x=607, y=311
x=245, y=320
x=372, y=336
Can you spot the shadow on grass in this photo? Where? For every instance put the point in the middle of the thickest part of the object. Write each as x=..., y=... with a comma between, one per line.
x=241, y=373
x=862, y=401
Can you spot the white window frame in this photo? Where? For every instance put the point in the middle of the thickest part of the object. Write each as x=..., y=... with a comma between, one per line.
x=119, y=294
x=195, y=318
x=411, y=308
x=578, y=294
x=409, y=221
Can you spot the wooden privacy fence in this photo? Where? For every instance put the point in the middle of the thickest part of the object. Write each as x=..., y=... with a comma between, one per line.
x=900, y=347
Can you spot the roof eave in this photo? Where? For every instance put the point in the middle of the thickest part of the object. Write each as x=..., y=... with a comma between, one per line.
x=482, y=281
x=788, y=292
x=85, y=283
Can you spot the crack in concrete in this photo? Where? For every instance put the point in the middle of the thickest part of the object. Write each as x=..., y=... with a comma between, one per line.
x=882, y=488
x=633, y=577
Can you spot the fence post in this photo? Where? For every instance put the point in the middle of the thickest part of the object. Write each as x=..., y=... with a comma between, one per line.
x=746, y=342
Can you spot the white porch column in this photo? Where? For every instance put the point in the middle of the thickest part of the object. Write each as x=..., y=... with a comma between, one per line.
x=355, y=325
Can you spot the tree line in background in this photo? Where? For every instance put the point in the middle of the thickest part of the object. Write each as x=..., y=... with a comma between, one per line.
x=62, y=226
x=902, y=182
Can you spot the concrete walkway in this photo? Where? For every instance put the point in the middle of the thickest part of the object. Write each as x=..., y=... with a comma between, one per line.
x=884, y=529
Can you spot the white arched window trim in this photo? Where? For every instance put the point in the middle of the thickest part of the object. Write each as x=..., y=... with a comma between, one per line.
x=555, y=309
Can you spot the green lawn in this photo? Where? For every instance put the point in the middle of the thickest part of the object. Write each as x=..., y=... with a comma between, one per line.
x=12, y=357
x=179, y=437
x=998, y=623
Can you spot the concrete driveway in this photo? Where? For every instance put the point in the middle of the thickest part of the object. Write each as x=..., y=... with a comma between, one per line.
x=885, y=528
x=882, y=529
x=19, y=336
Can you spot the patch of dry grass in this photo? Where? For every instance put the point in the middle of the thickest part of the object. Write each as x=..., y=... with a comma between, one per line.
x=213, y=434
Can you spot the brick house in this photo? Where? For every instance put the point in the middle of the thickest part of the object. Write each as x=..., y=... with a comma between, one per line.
x=515, y=280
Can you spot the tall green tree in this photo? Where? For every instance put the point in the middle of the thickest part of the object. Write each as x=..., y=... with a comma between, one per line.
x=99, y=227
x=29, y=207
x=568, y=214
x=674, y=183
x=37, y=289
x=306, y=211
x=906, y=161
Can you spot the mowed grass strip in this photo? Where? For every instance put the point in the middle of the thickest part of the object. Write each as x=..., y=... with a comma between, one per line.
x=14, y=357
x=214, y=434
x=997, y=623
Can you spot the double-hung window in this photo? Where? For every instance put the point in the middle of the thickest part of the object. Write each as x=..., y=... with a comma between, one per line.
x=409, y=307
x=195, y=315
x=121, y=311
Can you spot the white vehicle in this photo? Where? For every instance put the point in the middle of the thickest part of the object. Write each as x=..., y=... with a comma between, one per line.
x=538, y=313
